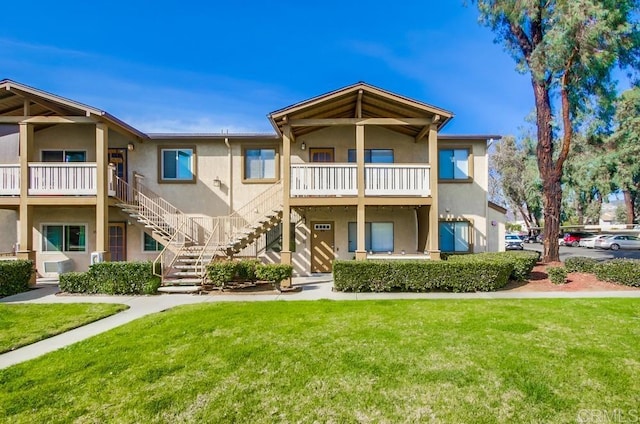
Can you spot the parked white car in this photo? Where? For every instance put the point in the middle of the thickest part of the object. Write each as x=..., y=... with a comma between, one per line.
x=590, y=242
x=619, y=242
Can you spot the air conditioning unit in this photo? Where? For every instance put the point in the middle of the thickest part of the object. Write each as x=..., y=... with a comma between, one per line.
x=97, y=257
x=58, y=267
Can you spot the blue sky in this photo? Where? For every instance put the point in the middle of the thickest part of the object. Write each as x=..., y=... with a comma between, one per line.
x=166, y=66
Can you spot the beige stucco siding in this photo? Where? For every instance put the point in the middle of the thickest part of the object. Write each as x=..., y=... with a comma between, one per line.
x=8, y=230
x=496, y=230
x=9, y=144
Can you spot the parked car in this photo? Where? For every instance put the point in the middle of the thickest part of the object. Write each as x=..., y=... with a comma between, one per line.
x=618, y=242
x=513, y=242
x=573, y=238
x=589, y=242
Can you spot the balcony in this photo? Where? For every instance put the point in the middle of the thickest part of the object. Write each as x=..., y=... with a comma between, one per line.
x=341, y=179
x=51, y=179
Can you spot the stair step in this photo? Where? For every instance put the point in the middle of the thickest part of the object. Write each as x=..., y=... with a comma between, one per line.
x=180, y=289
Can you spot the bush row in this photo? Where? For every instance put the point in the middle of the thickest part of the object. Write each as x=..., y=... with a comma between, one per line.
x=223, y=273
x=522, y=262
x=619, y=271
x=421, y=276
x=112, y=278
x=15, y=276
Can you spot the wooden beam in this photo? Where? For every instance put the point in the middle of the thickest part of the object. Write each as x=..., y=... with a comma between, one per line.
x=358, y=121
x=27, y=107
x=359, y=105
x=40, y=101
x=47, y=120
x=426, y=128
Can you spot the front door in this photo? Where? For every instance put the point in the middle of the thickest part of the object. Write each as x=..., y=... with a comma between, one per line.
x=118, y=157
x=322, y=246
x=118, y=241
x=321, y=155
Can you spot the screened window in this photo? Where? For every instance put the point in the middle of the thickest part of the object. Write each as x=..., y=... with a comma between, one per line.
x=373, y=155
x=454, y=164
x=454, y=236
x=259, y=164
x=273, y=238
x=378, y=236
x=177, y=165
x=64, y=156
x=150, y=245
x=64, y=238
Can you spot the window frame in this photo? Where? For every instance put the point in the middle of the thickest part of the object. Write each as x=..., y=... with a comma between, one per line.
x=144, y=234
x=393, y=155
x=368, y=243
x=276, y=159
x=64, y=154
x=65, y=241
x=470, y=160
x=469, y=224
x=194, y=164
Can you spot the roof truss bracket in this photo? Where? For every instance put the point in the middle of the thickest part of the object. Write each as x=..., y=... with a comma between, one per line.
x=426, y=128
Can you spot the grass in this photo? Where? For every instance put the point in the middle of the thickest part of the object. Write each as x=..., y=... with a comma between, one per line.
x=380, y=361
x=25, y=324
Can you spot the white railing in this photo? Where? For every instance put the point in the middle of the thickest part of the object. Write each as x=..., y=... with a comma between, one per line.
x=313, y=179
x=63, y=178
x=9, y=180
x=396, y=180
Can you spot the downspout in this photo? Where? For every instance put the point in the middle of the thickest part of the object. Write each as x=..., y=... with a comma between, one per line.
x=226, y=141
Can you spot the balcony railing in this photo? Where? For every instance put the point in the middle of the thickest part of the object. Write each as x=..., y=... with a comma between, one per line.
x=315, y=179
x=9, y=180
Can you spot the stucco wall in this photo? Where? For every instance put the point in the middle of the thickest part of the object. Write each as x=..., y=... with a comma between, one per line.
x=9, y=144
x=468, y=200
x=8, y=230
x=497, y=231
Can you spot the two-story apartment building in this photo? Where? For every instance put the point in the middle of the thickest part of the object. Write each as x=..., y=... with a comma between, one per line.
x=352, y=174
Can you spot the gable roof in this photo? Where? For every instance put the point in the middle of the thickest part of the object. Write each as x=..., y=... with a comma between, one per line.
x=14, y=94
x=361, y=99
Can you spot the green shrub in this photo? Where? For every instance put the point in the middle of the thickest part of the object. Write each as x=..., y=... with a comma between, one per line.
x=421, y=276
x=112, y=278
x=580, y=264
x=15, y=276
x=522, y=262
x=77, y=282
x=222, y=273
x=276, y=273
x=246, y=269
x=620, y=271
x=557, y=274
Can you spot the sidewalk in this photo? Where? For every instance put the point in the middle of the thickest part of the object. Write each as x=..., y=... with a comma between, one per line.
x=313, y=288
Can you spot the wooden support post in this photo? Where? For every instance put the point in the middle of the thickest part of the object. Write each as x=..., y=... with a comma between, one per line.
x=361, y=251
x=102, y=194
x=285, y=253
x=25, y=250
x=434, y=225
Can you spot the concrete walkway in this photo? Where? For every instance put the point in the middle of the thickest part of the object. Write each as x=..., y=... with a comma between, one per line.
x=313, y=288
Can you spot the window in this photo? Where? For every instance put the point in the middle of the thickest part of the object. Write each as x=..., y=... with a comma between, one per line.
x=378, y=236
x=454, y=236
x=150, y=245
x=177, y=165
x=260, y=164
x=64, y=156
x=373, y=155
x=454, y=164
x=274, y=238
x=64, y=238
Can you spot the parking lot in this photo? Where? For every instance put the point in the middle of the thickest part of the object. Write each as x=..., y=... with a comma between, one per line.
x=567, y=252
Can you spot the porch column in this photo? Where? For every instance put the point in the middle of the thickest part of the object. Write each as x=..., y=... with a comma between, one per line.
x=102, y=195
x=361, y=251
x=26, y=251
x=434, y=227
x=285, y=253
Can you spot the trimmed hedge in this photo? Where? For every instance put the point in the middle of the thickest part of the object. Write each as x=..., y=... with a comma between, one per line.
x=15, y=276
x=421, y=276
x=557, y=274
x=620, y=271
x=522, y=262
x=112, y=278
x=223, y=273
x=581, y=264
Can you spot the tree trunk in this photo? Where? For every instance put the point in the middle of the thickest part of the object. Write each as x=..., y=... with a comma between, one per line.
x=551, y=188
x=628, y=203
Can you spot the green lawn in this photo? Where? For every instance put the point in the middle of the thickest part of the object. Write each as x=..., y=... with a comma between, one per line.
x=23, y=324
x=467, y=361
